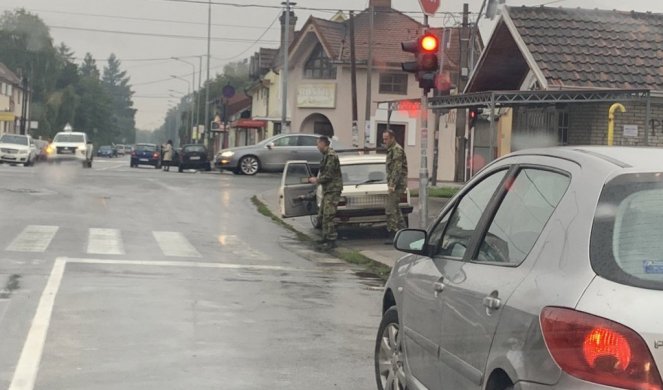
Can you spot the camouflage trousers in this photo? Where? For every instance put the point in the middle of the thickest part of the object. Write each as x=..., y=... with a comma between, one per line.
x=326, y=215
x=395, y=221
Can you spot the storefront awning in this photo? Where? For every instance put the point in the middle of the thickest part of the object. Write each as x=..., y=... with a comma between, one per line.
x=249, y=124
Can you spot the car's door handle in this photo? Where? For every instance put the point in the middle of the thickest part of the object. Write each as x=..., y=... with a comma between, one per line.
x=492, y=303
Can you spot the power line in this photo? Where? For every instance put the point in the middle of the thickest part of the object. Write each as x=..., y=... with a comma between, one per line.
x=142, y=19
x=249, y=5
x=174, y=36
x=138, y=59
x=254, y=43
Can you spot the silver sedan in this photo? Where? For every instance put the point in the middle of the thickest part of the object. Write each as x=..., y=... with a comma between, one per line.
x=544, y=272
x=270, y=154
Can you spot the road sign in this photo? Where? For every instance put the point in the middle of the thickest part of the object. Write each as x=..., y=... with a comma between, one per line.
x=430, y=6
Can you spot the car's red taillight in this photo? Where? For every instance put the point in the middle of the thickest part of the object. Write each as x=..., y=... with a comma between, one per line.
x=599, y=350
x=155, y=155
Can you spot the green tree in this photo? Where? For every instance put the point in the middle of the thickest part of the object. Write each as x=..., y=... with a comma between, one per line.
x=94, y=114
x=117, y=85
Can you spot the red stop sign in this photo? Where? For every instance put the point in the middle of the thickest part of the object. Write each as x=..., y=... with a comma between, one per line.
x=429, y=6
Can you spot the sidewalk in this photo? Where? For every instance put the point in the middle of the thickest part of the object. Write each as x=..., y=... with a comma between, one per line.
x=369, y=241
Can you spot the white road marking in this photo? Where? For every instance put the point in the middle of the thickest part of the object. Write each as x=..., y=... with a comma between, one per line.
x=105, y=242
x=175, y=244
x=25, y=374
x=240, y=247
x=34, y=238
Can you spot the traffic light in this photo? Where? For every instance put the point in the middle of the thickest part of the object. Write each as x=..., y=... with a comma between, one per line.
x=472, y=116
x=426, y=62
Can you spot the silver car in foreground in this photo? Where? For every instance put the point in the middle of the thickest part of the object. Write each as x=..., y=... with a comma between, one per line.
x=544, y=272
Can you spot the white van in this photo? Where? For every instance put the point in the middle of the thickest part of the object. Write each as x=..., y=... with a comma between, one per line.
x=71, y=146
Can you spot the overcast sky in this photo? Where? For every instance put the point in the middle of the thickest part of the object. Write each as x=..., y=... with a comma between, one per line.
x=236, y=30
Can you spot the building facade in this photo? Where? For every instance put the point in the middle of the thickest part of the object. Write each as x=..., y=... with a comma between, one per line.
x=12, y=96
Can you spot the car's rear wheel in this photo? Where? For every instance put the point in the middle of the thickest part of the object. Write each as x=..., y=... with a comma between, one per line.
x=249, y=165
x=389, y=357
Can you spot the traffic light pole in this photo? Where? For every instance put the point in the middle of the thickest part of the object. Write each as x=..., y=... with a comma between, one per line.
x=423, y=168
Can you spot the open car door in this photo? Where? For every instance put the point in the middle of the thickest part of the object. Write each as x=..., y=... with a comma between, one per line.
x=296, y=194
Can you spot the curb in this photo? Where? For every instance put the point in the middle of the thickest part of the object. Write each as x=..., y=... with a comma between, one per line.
x=366, y=258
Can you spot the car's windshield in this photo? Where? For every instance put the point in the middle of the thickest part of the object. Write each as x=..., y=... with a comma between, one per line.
x=145, y=148
x=627, y=244
x=105, y=148
x=69, y=138
x=364, y=173
x=194, y=149
x=14, y=139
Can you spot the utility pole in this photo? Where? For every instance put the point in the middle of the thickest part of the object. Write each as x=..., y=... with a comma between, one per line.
x=369, y=76
x=474, y=29
x=209, y=49
x=284, y=71
x=423, y=169
x=353, y=77
x=200, y=83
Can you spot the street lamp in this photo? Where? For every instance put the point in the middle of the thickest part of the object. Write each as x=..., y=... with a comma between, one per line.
x=193, y=79
x=188, y=83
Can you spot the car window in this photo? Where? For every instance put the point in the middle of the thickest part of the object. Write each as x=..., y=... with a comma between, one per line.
x=297, y=174
x=146, y=148
x=522, y=215
x=14, y=139
x=194, y=149
x=286, y=141
x=307, y=141
x=465, y=218
x=627, y=241
x=74, y=138
x=361, y=173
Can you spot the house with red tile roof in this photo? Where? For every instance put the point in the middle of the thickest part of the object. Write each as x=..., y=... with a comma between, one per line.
x=562, y=68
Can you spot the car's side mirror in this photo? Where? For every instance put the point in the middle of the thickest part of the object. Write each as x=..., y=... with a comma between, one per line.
x=411, y=241
x=270, y=145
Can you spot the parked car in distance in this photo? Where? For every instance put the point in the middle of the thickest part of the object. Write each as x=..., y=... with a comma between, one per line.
x=194, y=157
x=364, y=195
x=17, y=149
x=271, y=155
x=106, y=151
x=120, y=150
x=145, y=154
x=544, y=272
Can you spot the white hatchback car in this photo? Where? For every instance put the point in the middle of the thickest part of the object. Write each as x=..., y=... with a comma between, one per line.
x=71, y=146
x=17, y=149
x=363, y=198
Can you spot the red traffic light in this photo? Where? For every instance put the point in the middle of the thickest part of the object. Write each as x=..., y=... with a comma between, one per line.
x=429, y=43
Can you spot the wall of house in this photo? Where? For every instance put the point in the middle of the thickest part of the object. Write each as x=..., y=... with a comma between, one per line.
x=588, y=124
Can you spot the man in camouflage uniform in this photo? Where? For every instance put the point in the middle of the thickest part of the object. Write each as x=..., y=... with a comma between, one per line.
x=331, y=181
x=397, y=182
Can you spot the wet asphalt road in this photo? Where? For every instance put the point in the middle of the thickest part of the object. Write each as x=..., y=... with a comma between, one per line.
x=140, y=279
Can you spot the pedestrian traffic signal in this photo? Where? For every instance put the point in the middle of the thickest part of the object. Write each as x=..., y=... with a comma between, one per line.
x=426, y=63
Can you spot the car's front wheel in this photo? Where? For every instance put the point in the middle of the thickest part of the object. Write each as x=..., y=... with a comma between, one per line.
x=389, y=358
x=249, y=165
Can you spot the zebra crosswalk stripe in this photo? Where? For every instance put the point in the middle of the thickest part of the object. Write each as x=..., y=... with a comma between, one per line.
x=34, y=238
x=175, y=244
x=105, y=242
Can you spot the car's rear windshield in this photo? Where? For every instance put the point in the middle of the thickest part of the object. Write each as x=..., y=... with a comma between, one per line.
x=145, y=148
x=363, y=173
x=105, y=147
x=194, y=148
x=14, y=139
x=627, y=236
x=74, y=138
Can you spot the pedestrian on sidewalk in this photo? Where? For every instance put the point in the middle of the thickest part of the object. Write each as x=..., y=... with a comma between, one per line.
x=397, y=182
x=331, y=180
x=167, y=155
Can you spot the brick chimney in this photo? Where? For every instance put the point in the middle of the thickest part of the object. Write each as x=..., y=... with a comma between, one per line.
x=380, y=3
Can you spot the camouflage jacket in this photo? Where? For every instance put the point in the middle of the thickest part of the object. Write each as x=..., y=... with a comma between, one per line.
x=396, y=167
x=330, y=173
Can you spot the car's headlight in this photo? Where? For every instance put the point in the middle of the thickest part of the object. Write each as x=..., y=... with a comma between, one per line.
x=227, y=153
